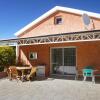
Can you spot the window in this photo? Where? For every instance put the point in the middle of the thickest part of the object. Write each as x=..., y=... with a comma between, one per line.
x=33, y=55
x=58, y=20
x=64, y=56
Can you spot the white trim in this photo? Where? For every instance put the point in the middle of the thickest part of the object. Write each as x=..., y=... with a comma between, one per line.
x=50, y=61
x=53, y=10
x=57, y=42
x=62, y=42
x=57, y=47
x=63, y=75
x=34, y=55
x=61, y=38
x=17, y=53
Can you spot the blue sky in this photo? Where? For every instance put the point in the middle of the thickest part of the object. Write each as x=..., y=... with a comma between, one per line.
x=15, y=14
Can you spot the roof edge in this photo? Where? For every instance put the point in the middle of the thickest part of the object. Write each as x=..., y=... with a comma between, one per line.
x=53, y=10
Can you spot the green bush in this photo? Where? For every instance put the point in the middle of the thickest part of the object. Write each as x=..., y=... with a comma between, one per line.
x=7, y=56
x=1, y=68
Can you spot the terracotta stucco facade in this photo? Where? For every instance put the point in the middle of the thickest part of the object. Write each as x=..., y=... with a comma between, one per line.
x=87, y=53
x=70, y=23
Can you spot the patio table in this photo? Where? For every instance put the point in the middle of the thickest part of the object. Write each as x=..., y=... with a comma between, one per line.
x=22, y=69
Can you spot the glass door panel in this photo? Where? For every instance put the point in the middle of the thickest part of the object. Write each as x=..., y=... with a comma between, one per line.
x=56, y=60
x=69, y=57
x=63, y=60
x=69, y=61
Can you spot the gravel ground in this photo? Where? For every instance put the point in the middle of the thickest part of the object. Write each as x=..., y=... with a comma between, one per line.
x=50, y=89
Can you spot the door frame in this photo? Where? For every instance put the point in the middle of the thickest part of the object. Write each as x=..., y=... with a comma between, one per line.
x=51, y=73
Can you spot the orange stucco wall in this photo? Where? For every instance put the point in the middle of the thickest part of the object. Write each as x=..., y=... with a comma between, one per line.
x=71, y=23
x=87, y=53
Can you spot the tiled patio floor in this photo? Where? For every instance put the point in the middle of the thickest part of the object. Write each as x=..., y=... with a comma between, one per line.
x=50, y=89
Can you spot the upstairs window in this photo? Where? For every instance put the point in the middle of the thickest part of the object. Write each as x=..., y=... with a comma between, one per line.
x=58, y=20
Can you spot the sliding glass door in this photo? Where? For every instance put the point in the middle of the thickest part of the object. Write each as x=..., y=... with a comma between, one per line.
x=63, y=60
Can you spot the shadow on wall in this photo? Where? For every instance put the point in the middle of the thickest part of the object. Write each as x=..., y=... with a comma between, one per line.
x=25, y=60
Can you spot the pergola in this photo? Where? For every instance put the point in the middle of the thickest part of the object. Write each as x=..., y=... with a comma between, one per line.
x=93, y=35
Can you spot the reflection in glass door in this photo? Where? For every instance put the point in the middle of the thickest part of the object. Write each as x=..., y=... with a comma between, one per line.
x=63, y=60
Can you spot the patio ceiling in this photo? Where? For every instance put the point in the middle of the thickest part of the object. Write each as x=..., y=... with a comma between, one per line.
x=56, y=38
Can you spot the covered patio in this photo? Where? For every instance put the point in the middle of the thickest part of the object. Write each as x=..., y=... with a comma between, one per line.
x=58, y=40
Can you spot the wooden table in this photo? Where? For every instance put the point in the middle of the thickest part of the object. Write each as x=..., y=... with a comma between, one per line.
x=22, y=69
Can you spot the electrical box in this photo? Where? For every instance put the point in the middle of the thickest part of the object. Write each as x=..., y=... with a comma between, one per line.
x=40, y=71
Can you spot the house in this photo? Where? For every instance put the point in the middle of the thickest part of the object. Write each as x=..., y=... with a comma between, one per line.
x=63, y=39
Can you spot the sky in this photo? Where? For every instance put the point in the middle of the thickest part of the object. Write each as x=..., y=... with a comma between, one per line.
x=15, y=14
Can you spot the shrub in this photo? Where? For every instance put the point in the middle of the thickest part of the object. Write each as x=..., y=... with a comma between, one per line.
x=1, y=68
x=7, y=56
